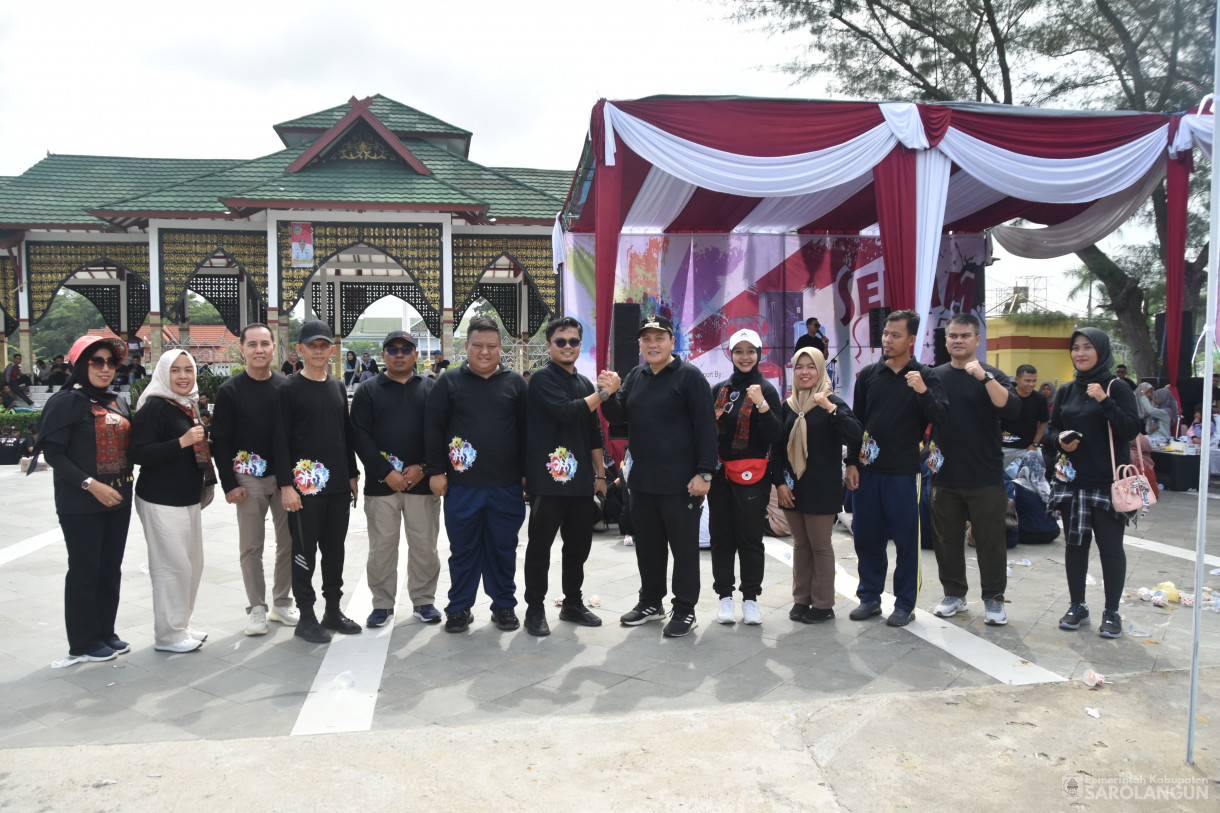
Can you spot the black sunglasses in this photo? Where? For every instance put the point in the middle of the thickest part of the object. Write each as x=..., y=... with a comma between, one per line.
x=565, y=342
x=398, y=350
x=97, y=362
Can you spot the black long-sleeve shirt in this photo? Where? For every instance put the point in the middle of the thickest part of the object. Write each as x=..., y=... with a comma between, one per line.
x=820, y=489
x=313, y=439
x=671, y=426
x=1024, y=427
x=969, y=436
x=1075, y=409
x=894, y=415
x=475, y=428
x=169, y=474
x=764, y=426
x=69, y=439
x=388, y=430
x=243, y=427
x=561, y=434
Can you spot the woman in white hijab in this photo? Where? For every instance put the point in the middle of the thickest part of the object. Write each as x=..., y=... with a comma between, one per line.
x=171, y=448
x=807, y=470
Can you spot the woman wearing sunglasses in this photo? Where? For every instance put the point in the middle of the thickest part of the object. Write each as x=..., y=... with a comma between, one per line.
x=176, y=479
x=84, y=433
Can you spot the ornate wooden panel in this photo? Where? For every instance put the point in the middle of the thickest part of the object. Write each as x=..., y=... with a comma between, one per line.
x=106, y=299
x=138, y=302
x=8, y=294
x=322, y=300
x=357, y=296
x=51, y=264
x=184, y=251
x=222, y=292
x=472, y=255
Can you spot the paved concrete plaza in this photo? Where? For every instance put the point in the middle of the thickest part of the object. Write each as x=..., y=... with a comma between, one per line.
x=243, y=702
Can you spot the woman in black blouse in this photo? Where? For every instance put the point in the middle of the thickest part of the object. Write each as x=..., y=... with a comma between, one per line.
x=1091, y=410
x=84, y=434
x=169, y=444
x=807, y=469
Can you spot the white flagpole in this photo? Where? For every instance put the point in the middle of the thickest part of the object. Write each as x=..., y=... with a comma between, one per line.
x=1209, y=346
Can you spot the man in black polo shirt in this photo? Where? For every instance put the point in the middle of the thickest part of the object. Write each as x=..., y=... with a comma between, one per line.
x=315, y=467
x=1120, y=372
x=474, y=445
x=671, y=430
x=243, y=428
x=388, y=428
x=814, y=337
x=1024, y=433
x=895, y=399
x=968, y=471
x=563, y=469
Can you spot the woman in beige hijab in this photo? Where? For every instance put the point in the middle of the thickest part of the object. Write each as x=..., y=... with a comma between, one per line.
x=807, y=469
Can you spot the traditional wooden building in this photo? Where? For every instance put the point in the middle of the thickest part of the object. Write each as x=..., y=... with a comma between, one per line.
x=368, y=199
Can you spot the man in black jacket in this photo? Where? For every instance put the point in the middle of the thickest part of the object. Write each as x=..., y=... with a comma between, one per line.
x=671, y=429
x=563, y=470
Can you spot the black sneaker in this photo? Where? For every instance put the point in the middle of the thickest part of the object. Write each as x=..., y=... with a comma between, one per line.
x=797, y=613
x=506, y=619
x=378, y=618
x=458, y=622
x=814, y=615
x=680, y=623
x=640, y=614
x=1076, y=615
x=535, y=622
x=866, y=610
x=310, y=630
x=337, y=621
x=119, y=646
x=579, y=614
x=1111, y=624
x=899, y=618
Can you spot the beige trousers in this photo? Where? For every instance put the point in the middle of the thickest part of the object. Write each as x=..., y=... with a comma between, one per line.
x=422, y=517
x=175, y=564
x=263, y=494
x=813, y=559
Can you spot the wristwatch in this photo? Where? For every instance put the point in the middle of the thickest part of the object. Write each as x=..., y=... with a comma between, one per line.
x=603, y=394
x=988, y=376
x=707, y=478
x=88, y=481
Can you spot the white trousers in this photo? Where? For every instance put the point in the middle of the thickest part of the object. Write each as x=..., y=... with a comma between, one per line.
x=175, y=564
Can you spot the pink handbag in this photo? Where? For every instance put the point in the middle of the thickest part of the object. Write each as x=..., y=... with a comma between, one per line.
x=1130, y=490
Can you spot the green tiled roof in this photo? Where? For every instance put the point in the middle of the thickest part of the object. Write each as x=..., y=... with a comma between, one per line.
x=506, y=197
x=359, y=182
x=61, y=189
x=554, y=182
x=396, y=116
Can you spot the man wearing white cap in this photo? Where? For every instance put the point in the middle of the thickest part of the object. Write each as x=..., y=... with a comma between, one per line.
x=747, y=423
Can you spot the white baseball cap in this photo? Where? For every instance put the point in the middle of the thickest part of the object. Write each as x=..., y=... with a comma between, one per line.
x=745, y=335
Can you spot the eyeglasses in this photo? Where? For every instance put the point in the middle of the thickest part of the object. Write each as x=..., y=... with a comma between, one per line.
x=565, y=342
x=98, y=362
x=398, y=350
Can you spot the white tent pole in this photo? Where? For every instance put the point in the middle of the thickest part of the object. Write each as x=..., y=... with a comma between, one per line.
x=1209, y=347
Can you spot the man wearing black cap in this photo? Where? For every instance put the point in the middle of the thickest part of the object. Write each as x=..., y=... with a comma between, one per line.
x=315, y=467
x=671, y=430
x=388, y=429
x=563, y=470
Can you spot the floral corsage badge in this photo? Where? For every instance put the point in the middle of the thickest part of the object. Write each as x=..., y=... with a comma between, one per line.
x=394, y=461
x=310, y=477
x=461, y=454
x=561, y=465
x=249, y=463
x=868, y=450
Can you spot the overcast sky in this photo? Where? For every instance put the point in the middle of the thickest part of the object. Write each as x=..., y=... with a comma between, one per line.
x=209, y=79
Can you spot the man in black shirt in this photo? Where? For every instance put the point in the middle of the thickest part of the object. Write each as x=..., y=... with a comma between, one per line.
x=388, y=428
x=813, y=336
x=1120, y=372
x=968, y=471
x=315, y=467
x=11, y=447
x=564, y=468
x=895, y=399
x=474, y=445
x=1024, y=433
x=242, y=434
x=671, y=430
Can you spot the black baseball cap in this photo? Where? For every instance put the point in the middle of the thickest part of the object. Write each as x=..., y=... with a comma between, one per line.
x=316, y=329
x=656, y=323
x=398, y=334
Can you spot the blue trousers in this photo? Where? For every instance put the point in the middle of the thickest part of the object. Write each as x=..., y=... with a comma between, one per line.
x=482, y=524
x=885, y=507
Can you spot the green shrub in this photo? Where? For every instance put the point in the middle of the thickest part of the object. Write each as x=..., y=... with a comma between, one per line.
x=25, y=421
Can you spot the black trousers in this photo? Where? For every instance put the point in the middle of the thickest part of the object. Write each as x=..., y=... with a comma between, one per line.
x=320, y=525
x=95, y=542
x=572, y=518
x=666, y=523
x=736, y=525
x=1108, y=532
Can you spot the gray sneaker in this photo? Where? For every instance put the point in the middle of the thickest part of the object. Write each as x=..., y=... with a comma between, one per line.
x=996, y=617
x=950, y=606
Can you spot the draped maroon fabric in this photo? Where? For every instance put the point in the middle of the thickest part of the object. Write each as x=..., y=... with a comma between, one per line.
x=894, y=181
x=609, y=222
x=1049, y=136
x=1177, y=188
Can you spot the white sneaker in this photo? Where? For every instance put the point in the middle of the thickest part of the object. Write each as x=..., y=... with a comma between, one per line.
x=185, y=645
x=950, y=606
x=995, y=616
x=750, y=612
x=197, y=635
x=726, y=614
x=288, y=616
x=257, y=625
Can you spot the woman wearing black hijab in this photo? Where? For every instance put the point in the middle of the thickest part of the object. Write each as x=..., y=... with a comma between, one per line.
x=747, y=422
x=85, y=433
x=1080, y=489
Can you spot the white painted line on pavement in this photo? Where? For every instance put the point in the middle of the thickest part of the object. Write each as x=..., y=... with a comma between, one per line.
x=1168, y=550
x=991, y=660
x=19, y=549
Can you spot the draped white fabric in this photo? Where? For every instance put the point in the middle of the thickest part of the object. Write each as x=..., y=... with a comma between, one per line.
x=558, y=245
x=903, y=118
x=662, y=198
x=932, y=170
x=1084, y=229
x=967, y=195
x=749, y=175
x=1194, y=130
x=1056, y=180
x=781, y=215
